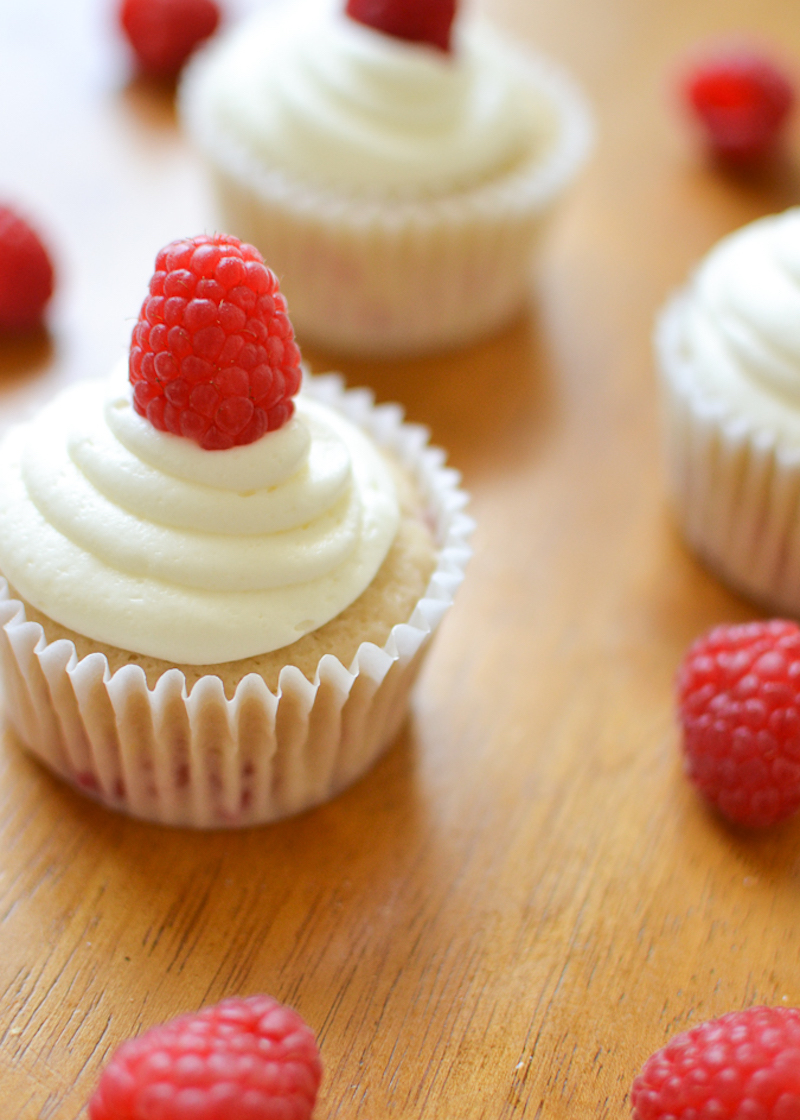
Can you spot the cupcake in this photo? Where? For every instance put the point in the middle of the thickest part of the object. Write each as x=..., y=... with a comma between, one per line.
x=215, y=590
x=728, y=350
x=397, y=177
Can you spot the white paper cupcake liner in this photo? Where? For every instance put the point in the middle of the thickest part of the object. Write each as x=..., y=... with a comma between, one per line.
x=381, y=278
x=735, y=485
x=200, y=759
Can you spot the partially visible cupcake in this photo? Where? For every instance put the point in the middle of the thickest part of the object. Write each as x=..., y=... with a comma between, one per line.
x=728, y=349
x=397, y=182
x=215, y=593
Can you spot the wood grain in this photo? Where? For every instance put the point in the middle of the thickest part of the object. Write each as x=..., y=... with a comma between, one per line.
x=523, y=899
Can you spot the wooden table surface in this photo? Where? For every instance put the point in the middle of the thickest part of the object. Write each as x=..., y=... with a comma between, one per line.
x=524, y=898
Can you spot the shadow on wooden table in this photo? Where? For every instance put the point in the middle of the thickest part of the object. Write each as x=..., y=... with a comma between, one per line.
x=388, y=789
x=150, y=102
x=149, y=878
x=24, y=356
x=772, y=184
x=142, y=922
x=485, y=404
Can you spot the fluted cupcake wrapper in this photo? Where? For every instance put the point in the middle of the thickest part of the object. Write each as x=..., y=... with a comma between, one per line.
x=386, y=277
x=200, y=759
x=735, y=485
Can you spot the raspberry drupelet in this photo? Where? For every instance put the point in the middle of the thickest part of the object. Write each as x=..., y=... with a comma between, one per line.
x=243, y=1059
x=739, y=705
x=213, y=356
x=743, y=1066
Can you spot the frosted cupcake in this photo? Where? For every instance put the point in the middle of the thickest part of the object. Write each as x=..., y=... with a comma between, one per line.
x=216, y=591
x=396, y=180
x=729, y=354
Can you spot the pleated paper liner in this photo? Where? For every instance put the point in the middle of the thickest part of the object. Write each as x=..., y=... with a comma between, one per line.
x=735, y=484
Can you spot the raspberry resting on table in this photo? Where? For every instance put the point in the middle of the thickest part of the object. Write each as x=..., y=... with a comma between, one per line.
x=243, y=1059
x=163, y=33
x=742, y=100
x=213, y=356
x=739, y=704
x=26, y=274
x=418, y=21
x=743, y=1066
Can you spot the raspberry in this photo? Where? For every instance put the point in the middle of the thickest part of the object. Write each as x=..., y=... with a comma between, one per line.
x=244, y=1059
x=213, y=355
x=419, y=21
x=739, y=700
x=743, y=1066
x=26, y=274
x=742, y=101
x=163, y=33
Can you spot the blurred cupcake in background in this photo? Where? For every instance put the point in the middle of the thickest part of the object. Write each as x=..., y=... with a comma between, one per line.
x=728, y=348
x=397, y=171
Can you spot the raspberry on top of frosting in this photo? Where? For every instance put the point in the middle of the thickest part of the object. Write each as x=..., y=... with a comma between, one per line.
x=213, y=356
x=418, y=21
x=117, y=523
x=318, y=101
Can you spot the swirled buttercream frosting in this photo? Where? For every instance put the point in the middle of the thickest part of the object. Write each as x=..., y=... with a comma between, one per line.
x=331, y=102
x=740, y=324
x=142, y=540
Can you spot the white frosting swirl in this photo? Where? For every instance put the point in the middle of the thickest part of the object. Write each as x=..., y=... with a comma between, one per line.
x=741, y=321
x=143, y=540
x=334, y=103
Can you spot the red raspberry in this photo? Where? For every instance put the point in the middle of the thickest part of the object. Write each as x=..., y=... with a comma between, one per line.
x=419, y=21
x=26, y=274
x=739, y=699
x=743, y=1066
x=742, y=101
x=213, y=355
x=244, y=1059
x=163, y=33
